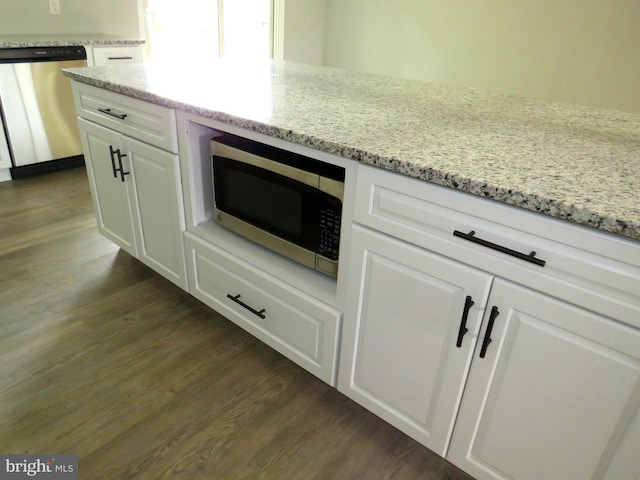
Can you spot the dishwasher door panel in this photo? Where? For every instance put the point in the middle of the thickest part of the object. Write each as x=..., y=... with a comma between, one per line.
x=39, y=112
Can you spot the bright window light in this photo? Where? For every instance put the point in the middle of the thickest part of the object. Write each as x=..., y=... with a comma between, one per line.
x=196, y=30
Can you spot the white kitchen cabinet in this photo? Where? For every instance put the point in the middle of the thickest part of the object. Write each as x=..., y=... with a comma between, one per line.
x=548, y=385
x=553, y=390
x=555, y=395
x=137, y=198
x=158, y=213
x=111, y=196
x=136, y=186
x=543, y=379
x=114, y=54
x=293, y=323
x=413, y=324
x=290, y=307
x=598, y=271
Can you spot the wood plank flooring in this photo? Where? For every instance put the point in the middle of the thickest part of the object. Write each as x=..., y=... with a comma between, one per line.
x=101, y=357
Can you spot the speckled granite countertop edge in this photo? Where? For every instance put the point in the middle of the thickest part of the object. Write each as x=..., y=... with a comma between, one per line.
x=64, y=41
x=510, y=196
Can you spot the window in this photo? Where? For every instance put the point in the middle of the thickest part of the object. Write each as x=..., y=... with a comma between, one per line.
x=245, y=28
x=197, y=30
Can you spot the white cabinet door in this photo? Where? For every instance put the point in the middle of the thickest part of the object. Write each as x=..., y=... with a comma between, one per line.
x=158, y=211
x=400, y=355
x=111, y=195
x=140, y=209
x=556, y=395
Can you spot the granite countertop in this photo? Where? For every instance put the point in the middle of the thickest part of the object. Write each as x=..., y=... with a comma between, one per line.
x=59, y=40
x=571, y=162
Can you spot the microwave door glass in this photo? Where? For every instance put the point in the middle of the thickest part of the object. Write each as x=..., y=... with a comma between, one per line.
x=266, y=204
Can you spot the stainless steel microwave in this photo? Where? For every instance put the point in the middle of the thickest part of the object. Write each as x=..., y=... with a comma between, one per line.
x=286, y=202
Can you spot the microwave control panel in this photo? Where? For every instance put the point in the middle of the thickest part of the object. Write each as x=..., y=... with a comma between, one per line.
x=329, y=233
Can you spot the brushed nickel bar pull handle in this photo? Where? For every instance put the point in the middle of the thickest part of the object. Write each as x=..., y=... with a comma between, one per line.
x=531, y=257
x=242, y=304
x=108, y=111
x=120, y=58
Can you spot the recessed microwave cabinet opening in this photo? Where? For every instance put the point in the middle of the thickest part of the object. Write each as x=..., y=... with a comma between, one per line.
x=289, y=203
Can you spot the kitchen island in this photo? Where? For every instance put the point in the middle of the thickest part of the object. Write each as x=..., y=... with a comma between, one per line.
x=487, y=295
x=572, y=162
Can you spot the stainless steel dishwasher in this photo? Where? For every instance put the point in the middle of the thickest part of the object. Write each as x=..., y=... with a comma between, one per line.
x=37, y=108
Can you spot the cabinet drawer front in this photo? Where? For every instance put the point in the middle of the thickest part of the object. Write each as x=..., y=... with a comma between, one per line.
x=299, y=327
x=597, y=270
x=118, y=54
x=145, y=121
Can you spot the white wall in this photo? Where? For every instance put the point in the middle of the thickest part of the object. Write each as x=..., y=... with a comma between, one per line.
x=304, y=31
x=579, y=51
x=112, y=17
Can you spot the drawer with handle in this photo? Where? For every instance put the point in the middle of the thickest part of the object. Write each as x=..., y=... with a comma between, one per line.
x=151, y=123
x=541, y=252
x=116, y=54
x=300, y=327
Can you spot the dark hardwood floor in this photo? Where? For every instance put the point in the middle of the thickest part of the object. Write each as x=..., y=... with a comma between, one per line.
x=101, y=357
